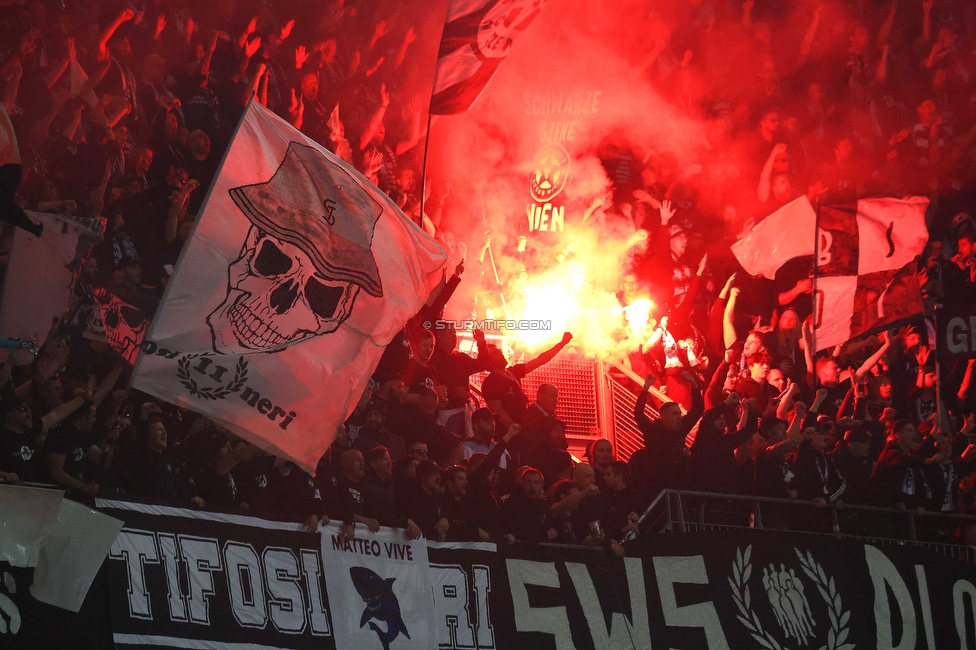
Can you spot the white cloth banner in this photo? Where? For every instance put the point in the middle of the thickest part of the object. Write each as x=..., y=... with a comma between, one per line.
x=379, y=589
x=27, y=516
x=41, y=273
x=71, y=555
x=297, y=275
x=783, y=235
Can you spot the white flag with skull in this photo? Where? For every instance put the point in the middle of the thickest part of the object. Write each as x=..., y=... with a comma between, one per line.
x=297, y=275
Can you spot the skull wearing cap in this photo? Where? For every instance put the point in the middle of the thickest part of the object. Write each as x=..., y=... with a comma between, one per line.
x=305, y=258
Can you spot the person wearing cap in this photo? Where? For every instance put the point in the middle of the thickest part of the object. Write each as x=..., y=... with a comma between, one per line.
x=22, y=437
x=482, y=439
x=854, y=461
x=373, y=433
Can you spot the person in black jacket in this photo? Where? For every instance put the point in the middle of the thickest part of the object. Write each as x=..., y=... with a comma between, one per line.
x=713, y=452
x=621, y=505
x=666, y=435
x=898, y=478
x=342, y=493
x=379, y=502
x=853, y=460
x=423, y=505
x=817, y=478
x=526, y=513
x=461, y=517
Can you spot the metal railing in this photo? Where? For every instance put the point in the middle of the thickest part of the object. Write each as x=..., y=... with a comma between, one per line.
x=688, y=511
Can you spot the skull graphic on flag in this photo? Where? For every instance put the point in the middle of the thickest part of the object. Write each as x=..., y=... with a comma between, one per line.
x=124, y=325
x=304, y=260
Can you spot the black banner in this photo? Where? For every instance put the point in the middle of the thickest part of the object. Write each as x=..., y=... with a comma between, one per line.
x=28, y=624
x=183, y=578
x=956, y=332
x=189, y=579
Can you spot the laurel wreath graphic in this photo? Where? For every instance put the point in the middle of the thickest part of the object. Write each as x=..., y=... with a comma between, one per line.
x=839, y=619
x=210, y=392
x=835, y=609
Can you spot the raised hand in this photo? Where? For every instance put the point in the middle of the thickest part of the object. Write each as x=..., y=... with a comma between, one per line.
x=72, y=52
x=301, y=56
x=286, y=30
x=160, y=24
x=416, y=105
x=667, y=212
x=381, y=30
x=410, y=36
x=127, y=14
x=384, y=96
x=567, y=337
x=701, y=265
x=922, y=355
x=252, y=47
x=252, y=26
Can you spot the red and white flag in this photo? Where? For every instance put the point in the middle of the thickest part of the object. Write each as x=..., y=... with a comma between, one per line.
x=866, y=259
x=783, y=235
x=864, y=254
x=478, y=35
x=296, y=276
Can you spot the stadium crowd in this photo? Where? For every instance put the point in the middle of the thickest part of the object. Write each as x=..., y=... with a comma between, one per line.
x=122, y=115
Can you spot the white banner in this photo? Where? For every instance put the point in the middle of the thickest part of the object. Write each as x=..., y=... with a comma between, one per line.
x=27, y=516
x=41, y=273
x=379, y=589
x=297, y=275
x=71, y=555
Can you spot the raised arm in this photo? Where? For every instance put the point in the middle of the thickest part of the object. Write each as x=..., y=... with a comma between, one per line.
x=642, y=420
x=106, y=35
x=728, y=317
x=549, y=354
x=766, y=177
x=415, y=131
x=377, y=119
x=807, y=43
x=873, y=360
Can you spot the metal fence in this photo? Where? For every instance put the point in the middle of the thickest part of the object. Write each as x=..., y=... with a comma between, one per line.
x=687, y=511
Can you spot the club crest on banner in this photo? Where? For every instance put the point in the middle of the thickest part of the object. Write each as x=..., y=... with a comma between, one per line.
x=502, y=23
x=788, y=601
x=550, y=172
x=304, y=259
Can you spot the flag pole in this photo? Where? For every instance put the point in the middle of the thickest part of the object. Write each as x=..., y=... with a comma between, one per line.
x=423, y=172
x=193, y=231
x=813, y=298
